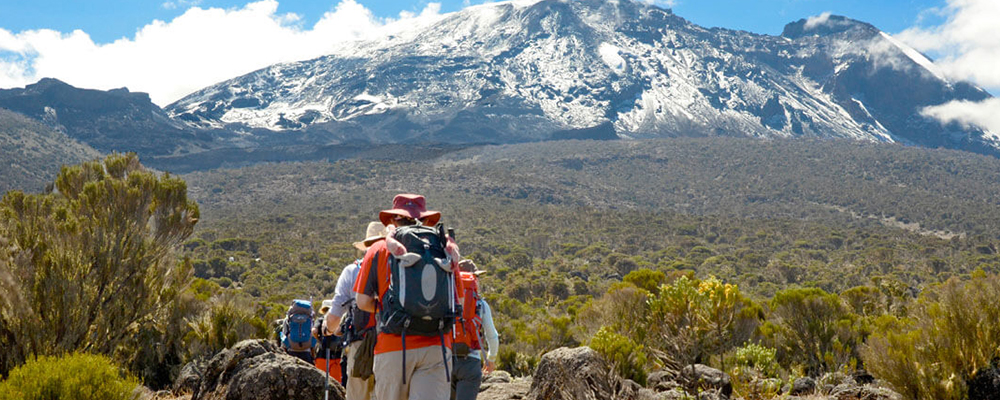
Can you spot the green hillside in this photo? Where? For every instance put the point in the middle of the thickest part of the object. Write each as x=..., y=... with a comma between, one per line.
x=31, y=153
x=572, y=232
x=765, y=215
x=769, y=260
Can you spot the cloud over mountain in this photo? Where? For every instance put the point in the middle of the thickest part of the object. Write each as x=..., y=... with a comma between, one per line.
x=969, y=47
x=201, y=47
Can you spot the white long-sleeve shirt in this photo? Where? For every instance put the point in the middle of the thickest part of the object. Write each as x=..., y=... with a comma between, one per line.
x=490, y=331
x=344, y=293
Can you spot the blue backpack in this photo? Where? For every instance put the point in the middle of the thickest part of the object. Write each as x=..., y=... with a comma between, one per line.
x=297, y=332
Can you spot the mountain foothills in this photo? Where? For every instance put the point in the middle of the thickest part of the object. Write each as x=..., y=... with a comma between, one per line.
x=826, y=250
x=32, y=152
x=521, y=71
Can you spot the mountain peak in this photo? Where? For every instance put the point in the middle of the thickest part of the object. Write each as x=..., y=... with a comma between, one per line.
x=47, y=84
x=534, y=70
x=827, y=25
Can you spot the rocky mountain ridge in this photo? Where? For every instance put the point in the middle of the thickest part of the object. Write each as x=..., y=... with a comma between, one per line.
x=113, y=120
x=527, y=71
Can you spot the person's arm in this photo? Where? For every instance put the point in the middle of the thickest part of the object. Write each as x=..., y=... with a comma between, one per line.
x=331, y=325
x=366, y=285
x=366, y=303
x=492, y=338
x=342, y=297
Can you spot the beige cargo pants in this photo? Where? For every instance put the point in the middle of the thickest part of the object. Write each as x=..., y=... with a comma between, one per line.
x=425, y=375
x=357, y=388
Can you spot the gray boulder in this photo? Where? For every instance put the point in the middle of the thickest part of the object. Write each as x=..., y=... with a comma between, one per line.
x=803, y=386
x=862, y=377
x=577, y=374
x=835, y=379
x=189, y=378
x=847, y=391
x=259, y=370
x=702, y=378
x=662, y=380
x=498, y=377
x=985, y=384
x=515, y=389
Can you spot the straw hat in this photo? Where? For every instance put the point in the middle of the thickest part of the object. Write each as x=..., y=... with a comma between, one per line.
x=409, y=206
x=373, y=233
x=468, y=265
x=327, y=305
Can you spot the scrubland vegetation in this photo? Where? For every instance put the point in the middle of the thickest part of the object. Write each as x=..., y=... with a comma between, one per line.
x=768, y=260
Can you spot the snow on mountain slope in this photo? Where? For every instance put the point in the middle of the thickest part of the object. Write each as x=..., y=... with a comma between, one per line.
x=523, y=70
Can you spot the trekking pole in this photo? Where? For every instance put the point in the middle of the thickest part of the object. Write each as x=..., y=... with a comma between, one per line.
x=326, y=383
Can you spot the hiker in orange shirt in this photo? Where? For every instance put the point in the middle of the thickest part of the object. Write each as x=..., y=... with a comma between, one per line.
x=410, y=281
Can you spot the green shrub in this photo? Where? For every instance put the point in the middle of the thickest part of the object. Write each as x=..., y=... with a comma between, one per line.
x=760, y=358
x=646, y=279
x=517, y=364
x=812, y=328
x=692, y=319
x=953, y=331
x=76, y=376
x=628, y=357
x=82, y=266
x=227, y=322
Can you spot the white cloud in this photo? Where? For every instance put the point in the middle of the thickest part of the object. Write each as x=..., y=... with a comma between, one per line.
x=197, y=49
x=173, y=5
x=817, y=20
x=968, y=42
x=663, y=3
x=985, y=115
x=968, y=46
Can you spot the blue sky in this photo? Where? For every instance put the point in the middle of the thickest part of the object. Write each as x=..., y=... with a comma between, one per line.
x=170, y=48
x=109, y=20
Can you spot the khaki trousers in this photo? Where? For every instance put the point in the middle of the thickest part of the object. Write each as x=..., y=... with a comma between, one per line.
x=425, y=375
x=357, y=388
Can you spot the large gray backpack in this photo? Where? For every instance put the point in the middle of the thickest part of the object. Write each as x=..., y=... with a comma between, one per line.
x=420, y=299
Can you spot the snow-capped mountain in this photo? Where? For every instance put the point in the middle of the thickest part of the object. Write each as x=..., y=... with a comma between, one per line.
x=535, y=70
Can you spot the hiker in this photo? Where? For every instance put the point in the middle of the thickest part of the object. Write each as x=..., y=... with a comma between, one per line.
x=328, y=344
x=355, y=325
x=415, y=298
x=475, y=325
x=296, y=331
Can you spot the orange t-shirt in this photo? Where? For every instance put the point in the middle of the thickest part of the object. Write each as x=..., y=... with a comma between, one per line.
x=367, y=284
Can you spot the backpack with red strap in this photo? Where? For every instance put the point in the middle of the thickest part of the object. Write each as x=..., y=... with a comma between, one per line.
x=468, y=328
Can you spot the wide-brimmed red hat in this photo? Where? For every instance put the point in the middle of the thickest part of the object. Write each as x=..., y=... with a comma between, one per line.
x=410, y=206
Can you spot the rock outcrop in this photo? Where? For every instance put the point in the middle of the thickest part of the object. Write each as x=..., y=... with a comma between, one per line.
x=501, y=386
x=662, y=380
x=580, y=374
x=803, y=386
x=704, y=378
x=259, y=370
x=985, y=384
x=189, y=379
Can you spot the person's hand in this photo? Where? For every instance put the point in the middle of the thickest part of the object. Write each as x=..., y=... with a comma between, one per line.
x=330, y=341
x=489, y=367
x=327, y=332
